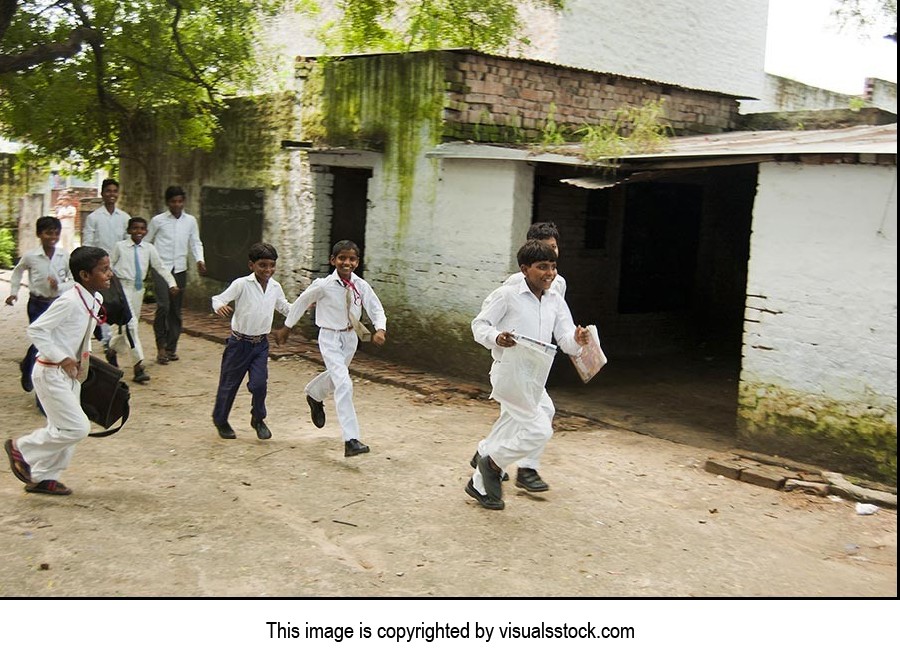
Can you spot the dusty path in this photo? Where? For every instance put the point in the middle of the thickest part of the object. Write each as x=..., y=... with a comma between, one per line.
x=166, y=508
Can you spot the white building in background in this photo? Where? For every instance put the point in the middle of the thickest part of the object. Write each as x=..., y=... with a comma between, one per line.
x=714, y=45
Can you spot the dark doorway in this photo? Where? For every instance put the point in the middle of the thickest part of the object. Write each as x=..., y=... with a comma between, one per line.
x=659, y=247
x=349, y=205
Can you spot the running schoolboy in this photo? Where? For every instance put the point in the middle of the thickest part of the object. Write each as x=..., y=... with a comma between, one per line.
x=340, y=299
x=48, y=278
x=131, y=259
x=63, y=339
x=256, y=298
x=531, y=308
x=527, y=476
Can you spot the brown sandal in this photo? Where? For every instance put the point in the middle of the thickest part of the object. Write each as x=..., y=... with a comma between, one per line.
x=17, y=464
x=48, y=487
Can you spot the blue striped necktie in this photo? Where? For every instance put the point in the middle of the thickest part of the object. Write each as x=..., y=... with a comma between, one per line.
x=138, y=277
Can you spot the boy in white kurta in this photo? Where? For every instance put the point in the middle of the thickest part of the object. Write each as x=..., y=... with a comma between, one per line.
x=63, y=339
x=340, y=299
x=256, y=298
x=532, y=309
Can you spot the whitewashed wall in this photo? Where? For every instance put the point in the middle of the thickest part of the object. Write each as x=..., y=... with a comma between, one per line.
x=716, y=45
x=822, y=287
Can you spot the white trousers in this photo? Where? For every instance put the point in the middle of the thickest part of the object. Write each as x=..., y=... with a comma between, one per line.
x=48, y=450
x=119, y=340
x=514, y=437
x=337, y=350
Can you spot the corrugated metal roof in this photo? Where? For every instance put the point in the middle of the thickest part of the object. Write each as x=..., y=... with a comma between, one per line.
x=856, y=140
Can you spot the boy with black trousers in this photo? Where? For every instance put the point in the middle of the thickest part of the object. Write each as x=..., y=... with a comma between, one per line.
x=48, y=278
x=256, y=297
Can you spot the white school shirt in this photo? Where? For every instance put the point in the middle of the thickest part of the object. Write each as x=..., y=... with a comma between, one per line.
x=39, y=267
x=330, y=297
x=60, y=331
x=253, y=306
x=122, y=261
x=173, y=237
x=514, y=308
x=104, y=229
x=559, y=283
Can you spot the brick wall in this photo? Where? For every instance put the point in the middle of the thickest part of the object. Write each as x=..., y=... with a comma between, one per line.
x=494, y=99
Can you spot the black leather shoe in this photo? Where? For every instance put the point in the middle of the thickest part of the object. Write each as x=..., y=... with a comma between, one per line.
x=354, y=447
x=483, y=499
x=225, y=430
x=529, y=479
x=112, y=358
x=490, y=474
x=27, y=384
x=317, y=412
x=474, y=463
x=262, y=430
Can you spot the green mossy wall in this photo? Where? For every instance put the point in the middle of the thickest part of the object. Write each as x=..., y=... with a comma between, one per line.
x=857, y=438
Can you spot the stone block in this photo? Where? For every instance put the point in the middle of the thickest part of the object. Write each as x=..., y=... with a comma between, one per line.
x=771, y=477
x=727, y=467
x=807, y=487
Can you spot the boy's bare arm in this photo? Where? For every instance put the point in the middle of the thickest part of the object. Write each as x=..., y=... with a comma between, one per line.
x=281, y=335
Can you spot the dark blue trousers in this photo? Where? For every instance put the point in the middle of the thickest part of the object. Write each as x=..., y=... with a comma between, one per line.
x=35, y=308
x=239, y=359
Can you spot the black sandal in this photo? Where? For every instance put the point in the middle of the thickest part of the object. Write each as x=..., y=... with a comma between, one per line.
x=48, y=487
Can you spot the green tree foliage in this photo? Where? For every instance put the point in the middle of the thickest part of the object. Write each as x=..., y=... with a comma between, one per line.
x=399, y=25
x=75, y=76
x=79, y=77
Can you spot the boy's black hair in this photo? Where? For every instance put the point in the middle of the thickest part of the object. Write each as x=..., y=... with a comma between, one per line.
x=342, y=245
x=135, y=220
x=262, y=251
x=85, y=259
x=534, y=251
x=108, y=181
x=542, y=231
x=47, y=222
x=174, y=191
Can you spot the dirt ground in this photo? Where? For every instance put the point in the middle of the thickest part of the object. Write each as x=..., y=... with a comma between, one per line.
x=167, y=508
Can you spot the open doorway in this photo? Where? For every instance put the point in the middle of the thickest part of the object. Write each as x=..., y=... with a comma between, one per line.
x=349, y=204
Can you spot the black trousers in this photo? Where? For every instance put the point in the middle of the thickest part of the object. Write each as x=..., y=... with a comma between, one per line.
x=167, y=321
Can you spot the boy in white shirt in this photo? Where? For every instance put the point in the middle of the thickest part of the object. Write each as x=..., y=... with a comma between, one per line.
x=63, y=339
x=48, y=278
x=256, y=298
x=531, y=308
x=131, y=259
x=340, y=299
x=528, y=477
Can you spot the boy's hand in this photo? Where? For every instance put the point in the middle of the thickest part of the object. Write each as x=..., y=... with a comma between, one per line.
x=201, y=268
x=11, y=299
x=281, y=335
x=582, y=336
x=379, y=338
x=70, y=366
x=505, y=340
x=174, y=290
x=53, y=283
x=224, y=311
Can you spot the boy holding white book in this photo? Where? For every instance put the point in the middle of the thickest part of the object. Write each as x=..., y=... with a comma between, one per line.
x=530, y=308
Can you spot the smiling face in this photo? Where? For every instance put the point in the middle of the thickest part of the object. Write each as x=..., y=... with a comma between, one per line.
x=345, y=262
x=98, y=278
x=110, y=195
x=263, y=269
x=137, y=231
x=49, y=238
x=539, y=276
